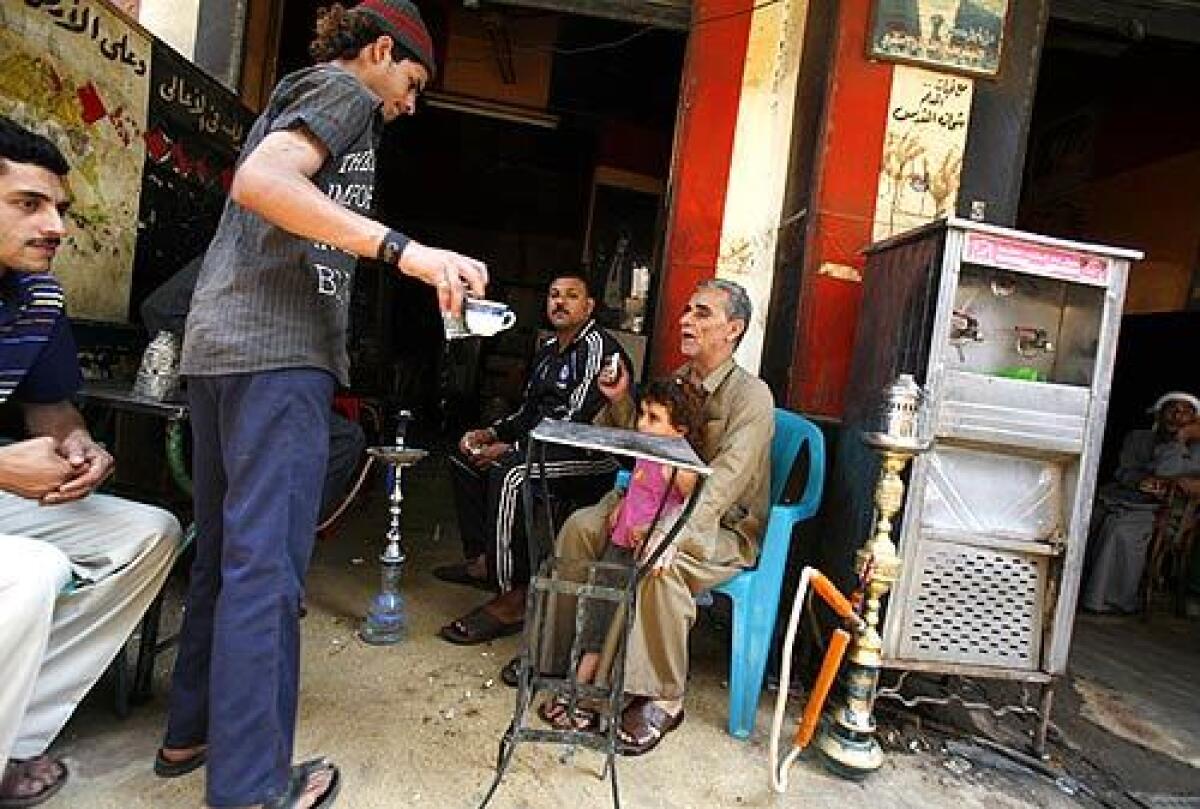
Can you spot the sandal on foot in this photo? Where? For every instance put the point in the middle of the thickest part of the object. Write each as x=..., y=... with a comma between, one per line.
x=460, y=573
x=174, y=768
x=556, y=713
x=643, y=725
x=510, y=674
x=18, y=770
x=478, y=626
x=299, y=780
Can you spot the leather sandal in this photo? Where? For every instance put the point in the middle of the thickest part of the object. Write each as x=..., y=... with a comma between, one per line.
x=556, y=712
x=174, y=768
x=16, y=770
x=644, y=724
x=460, y=573
x=478, y=626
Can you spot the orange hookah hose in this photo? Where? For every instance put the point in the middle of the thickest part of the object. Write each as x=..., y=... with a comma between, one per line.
x=820, y=691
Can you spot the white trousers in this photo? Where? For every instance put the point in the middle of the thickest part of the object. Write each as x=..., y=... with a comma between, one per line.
x=55, y=642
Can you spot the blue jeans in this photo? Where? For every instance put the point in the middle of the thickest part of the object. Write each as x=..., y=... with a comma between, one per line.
x=260, y=443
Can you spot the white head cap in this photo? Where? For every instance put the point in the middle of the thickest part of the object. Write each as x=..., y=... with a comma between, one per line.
x=1175, y=396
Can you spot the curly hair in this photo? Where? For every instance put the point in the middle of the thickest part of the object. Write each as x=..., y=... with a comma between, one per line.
x=343, y=32
x=683, y=402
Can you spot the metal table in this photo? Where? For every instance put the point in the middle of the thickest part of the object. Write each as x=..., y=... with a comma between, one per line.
x=118, y=397
x=549, y=584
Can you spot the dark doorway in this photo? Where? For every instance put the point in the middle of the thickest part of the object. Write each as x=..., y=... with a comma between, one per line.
x=517, y=194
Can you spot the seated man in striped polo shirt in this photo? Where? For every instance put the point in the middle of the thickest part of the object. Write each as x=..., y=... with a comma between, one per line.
x=53, y=644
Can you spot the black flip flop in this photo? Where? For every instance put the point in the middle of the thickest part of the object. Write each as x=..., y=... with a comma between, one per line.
x=460, y=574
x=165, y=768
x=478, y=626
x=45, y=795
x=510, y=674
x=299, y=780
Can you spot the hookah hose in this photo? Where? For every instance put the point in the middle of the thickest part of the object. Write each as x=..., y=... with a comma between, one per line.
x=829, y=668
x=349, y=498
x=402, y=420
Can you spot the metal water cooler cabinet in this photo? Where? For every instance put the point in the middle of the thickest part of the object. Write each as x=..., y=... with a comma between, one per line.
x=1013, y=336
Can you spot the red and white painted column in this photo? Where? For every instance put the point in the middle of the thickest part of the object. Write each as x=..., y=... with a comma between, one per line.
x=733, y=140
x=889, y=157
x=702, y=161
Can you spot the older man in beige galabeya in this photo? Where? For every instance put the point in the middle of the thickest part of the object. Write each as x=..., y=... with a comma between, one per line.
x=720, y=538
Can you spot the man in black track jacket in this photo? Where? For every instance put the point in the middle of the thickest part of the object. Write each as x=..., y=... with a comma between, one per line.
x=489, y=467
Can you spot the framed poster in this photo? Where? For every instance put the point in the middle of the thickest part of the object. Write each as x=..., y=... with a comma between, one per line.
x=962, y=36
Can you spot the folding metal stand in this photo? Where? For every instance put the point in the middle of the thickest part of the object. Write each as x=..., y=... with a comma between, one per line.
x=587, y=583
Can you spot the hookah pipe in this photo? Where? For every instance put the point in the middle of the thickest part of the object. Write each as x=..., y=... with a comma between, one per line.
x=385, y=620
x=403, y=417
x=832, y=661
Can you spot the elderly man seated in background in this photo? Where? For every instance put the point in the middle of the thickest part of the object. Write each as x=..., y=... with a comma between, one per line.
x=1125, y=509
x=54, y=645
x=720, y=537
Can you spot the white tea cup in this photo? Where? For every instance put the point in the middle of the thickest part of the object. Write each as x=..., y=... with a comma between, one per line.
x=480, y=318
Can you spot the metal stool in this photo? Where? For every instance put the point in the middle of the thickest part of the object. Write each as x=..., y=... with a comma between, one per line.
x=585, y=582
x=555, y=579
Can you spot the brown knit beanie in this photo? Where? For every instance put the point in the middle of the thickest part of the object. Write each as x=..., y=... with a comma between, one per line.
x=402, y=21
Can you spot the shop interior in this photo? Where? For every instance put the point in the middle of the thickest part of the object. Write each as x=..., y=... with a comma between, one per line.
x=542, y=146
x=1114, y=158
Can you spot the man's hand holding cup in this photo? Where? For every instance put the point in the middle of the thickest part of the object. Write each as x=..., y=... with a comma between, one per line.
x=452, y=274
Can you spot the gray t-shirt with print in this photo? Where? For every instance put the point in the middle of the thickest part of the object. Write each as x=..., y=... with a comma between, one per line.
x=265, y=298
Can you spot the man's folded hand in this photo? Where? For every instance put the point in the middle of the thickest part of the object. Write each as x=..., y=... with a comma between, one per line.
x=34, y=468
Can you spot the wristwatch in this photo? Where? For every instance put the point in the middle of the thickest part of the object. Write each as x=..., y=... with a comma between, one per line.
x=391, y=248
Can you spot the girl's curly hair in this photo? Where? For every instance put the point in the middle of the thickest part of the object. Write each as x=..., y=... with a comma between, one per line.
x=683, y=402
x=343, y=32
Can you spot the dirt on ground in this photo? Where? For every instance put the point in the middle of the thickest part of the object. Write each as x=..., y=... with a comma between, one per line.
x=418, y=724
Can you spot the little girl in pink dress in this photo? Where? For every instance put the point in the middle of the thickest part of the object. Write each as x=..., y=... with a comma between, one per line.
x=669, y=407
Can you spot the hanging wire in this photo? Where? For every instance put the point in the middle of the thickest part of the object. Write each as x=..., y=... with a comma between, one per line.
x=603, y=46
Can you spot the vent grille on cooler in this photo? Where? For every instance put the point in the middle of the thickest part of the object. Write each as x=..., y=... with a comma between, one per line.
x=975, y=605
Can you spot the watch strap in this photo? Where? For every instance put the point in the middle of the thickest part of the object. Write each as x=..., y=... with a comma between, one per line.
x=392, y=247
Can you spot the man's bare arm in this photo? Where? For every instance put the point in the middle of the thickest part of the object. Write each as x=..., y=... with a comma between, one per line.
x=275, y=182
x=58, y=420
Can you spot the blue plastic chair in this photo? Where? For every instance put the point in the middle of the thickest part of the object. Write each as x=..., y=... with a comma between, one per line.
x=755, y=592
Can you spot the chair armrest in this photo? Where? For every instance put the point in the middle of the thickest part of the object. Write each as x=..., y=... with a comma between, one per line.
x=791, y=513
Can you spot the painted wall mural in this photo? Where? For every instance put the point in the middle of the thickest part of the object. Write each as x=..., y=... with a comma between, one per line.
x=79, y=73
x=926, y=136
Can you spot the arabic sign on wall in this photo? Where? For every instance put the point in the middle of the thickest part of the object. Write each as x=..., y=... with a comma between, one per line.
x=79, y=73
x=926, y=136
x=194, y=133
x=959, y=35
